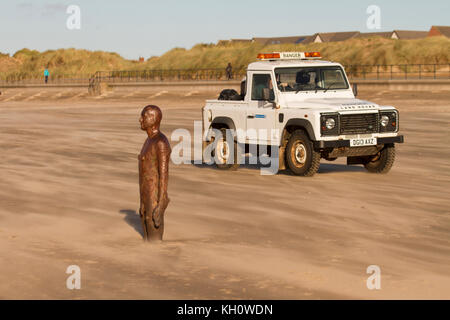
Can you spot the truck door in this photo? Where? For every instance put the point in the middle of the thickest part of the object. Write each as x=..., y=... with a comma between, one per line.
x=261, y=113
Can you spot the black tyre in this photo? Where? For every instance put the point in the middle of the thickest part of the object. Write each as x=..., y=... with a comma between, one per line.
x=301, y=157
x=222, y=153
x=383, y=161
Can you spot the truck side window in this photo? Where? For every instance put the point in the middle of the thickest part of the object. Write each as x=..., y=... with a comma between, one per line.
x=260, y=82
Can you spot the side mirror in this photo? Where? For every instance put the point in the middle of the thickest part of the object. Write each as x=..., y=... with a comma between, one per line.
x=355, y=89
x=266, y=94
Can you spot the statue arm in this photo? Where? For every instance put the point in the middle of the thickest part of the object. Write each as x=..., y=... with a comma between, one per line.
x=163, y=168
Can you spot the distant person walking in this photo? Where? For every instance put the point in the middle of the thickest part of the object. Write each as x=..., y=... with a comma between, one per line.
x=46, y=75
x=229, y=71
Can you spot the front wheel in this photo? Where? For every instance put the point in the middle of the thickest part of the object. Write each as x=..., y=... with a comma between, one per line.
x=381, y=162
x=301, y=157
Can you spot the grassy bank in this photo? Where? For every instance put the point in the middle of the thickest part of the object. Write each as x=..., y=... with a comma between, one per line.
x=29, y=63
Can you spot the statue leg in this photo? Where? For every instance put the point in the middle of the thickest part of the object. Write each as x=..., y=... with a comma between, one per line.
x=154, y=234
x=146, y=214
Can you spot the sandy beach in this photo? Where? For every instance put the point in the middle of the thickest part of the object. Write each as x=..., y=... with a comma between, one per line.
x=69, y=196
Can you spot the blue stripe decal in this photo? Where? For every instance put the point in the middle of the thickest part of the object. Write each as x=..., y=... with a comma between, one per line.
x=261, y=116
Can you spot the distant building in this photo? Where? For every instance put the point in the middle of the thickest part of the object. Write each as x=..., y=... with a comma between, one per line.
x=306, y=39
x=343, y=36
x=386, y=35
x=439, y=31
x=280, y=40
x=331, y=36
x=241, y=40
x=226, y=42
x=408, y=34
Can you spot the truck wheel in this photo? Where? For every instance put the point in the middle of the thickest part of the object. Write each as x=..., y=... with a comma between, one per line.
x=382, y=162
x=222, y=153
x=301, y=157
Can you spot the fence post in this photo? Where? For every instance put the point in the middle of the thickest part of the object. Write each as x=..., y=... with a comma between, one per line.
x=391, y=72
x=420, y=71
x=434, y=67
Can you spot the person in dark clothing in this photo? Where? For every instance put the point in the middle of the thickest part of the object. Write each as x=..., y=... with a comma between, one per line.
x=229, y=71
x=46, y=75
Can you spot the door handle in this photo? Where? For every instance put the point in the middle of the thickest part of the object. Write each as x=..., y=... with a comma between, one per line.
x=251, y=116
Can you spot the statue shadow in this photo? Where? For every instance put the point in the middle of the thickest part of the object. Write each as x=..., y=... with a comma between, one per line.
x=133, y=219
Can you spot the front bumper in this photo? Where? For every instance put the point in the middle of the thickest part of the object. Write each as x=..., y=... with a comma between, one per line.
x=346, y=143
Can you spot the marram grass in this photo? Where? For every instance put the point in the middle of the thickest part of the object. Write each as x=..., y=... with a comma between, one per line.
x=30, y=63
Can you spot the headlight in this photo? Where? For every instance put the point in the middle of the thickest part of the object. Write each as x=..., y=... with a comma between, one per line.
x=330, y=123
x=388, y=121
x=384, y=120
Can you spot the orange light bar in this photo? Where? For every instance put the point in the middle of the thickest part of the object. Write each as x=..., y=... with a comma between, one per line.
x=289, y=55
x=312, y=54
x=267, y=56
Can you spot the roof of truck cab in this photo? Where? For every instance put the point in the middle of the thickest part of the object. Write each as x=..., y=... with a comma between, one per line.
x=272, y=64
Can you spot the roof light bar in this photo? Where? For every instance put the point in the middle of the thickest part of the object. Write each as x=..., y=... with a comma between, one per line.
x=289, y=55
x=268, y=56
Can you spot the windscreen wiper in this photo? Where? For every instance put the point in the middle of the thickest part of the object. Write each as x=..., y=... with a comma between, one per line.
x=332, y=84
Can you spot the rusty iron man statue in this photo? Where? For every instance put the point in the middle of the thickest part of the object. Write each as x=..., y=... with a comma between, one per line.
x=153, y=174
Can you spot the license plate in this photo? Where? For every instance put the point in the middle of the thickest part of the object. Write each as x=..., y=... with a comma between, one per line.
x=361, y=142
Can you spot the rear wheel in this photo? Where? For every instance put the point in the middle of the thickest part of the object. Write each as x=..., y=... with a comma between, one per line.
x=301, y=157
x=224, y=158
x=381, y=162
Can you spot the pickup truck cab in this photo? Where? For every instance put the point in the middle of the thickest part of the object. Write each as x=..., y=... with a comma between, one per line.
x=304, y=109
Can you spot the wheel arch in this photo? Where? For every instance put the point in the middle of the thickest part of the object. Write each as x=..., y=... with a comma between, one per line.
x=295, y=124
x=222, y=122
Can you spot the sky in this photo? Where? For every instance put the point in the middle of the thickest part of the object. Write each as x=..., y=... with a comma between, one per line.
x=146, y=28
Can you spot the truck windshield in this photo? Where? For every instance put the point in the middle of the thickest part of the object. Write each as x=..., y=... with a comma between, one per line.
x=310, y=78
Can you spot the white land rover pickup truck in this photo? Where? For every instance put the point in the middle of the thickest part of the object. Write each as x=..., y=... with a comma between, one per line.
x=305, y=110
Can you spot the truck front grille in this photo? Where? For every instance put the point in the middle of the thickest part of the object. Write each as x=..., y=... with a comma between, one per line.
x=359, y=123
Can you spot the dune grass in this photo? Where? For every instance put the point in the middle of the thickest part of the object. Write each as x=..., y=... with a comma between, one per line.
x=370, y=51
x=66, y=62
x=30, y=63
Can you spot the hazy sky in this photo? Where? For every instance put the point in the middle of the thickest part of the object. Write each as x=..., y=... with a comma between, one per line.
x=136, y=28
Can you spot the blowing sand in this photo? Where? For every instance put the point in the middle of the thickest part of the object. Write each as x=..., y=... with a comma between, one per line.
x=69, y=195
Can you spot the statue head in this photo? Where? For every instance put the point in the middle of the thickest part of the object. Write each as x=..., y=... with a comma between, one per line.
x=150, y=118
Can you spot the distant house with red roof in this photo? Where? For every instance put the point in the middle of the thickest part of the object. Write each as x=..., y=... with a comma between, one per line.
x=439, y=31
